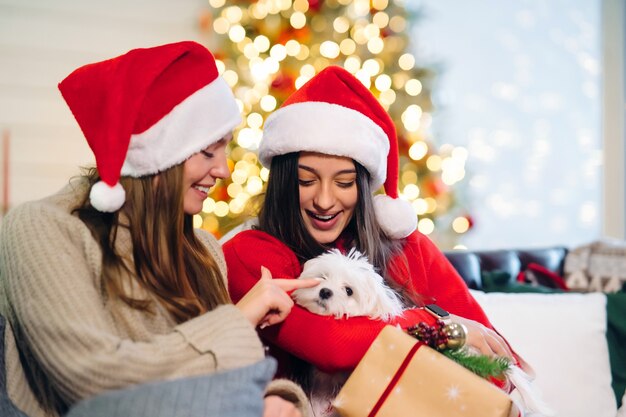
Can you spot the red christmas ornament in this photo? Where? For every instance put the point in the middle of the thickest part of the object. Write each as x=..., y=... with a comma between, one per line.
x=315, y=5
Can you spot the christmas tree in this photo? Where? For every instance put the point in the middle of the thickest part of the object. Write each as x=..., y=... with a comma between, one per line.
x=268, y=48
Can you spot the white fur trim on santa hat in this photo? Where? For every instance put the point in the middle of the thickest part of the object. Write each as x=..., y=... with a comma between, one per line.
x=200, y=120
x=330, y=129
x=396, y=217
x=105, y=198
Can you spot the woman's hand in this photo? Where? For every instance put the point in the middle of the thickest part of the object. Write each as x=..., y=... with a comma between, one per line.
x=483, y=339
x=275, y=406
x=268, y=302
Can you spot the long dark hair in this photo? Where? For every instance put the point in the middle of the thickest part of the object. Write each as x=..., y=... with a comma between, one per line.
x=280, y=217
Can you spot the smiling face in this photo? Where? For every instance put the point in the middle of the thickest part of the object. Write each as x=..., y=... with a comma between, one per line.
x=328, y=194
x=201, y=171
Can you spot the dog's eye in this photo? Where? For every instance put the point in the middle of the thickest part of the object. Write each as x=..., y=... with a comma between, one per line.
x=349, y=291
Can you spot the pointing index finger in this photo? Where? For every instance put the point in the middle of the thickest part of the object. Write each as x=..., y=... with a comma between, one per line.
x=294, y=284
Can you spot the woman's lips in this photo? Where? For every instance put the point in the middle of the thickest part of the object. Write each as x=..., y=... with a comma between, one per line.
x=323, y=221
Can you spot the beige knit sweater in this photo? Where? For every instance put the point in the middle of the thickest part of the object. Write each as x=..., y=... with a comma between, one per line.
x=85, y=342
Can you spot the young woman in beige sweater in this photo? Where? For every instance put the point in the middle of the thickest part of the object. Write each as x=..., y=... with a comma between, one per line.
x=106, y=284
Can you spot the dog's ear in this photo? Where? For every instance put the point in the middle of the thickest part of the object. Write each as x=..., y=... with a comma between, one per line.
x=385, y=303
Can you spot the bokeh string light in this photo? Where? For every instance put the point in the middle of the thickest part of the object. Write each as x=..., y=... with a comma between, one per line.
x=268, y=48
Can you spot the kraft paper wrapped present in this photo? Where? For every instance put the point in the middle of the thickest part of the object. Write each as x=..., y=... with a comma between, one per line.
x=398, y=376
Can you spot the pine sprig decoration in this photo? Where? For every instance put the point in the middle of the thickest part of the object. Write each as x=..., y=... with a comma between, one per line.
x=482, y=365
x=436, y=338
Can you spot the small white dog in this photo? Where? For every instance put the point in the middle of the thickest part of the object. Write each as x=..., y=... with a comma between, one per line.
x=351, y=287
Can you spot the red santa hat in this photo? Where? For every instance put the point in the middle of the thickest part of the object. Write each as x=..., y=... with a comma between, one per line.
x=148, y=110
x=335, y=114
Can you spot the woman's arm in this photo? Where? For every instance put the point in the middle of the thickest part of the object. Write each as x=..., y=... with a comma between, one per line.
x=52, y=293
x=328, y=343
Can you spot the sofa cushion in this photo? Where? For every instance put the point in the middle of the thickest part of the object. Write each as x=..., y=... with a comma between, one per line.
x=563, y=336
x=233, y=393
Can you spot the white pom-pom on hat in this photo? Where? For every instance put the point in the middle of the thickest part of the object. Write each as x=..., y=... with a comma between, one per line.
x=105, y=198
x=395, y=216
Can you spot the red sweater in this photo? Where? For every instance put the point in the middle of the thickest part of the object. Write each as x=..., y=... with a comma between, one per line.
x=338, y=345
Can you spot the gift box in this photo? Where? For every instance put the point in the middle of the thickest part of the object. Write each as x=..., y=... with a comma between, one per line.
x=399, y=376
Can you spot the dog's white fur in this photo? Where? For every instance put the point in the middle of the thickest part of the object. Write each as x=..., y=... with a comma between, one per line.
x=351, y=287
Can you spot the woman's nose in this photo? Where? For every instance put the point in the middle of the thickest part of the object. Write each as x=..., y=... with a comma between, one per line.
x=325, y=198
x=221, y=170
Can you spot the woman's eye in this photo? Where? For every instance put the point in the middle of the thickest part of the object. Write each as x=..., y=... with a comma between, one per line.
x=207, y=154
x=344, y=184
x=305, y=183
x=349, y=291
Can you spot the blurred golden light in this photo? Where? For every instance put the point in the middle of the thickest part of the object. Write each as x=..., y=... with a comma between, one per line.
x=426, y=226
x=387, y=97
x=265, y=174
x=397, y=24
x=358, y=35
x=236, y=205
x=329, y=49
x=293, y=47
x=460, y=153
x=237, y=33
x=254, y=185
x=221, y=209
x=233, y=189
x=434, y=163
x=383, y=82
x=371, y=67
x=300, y=81
x=361, y=7
x=262, y=43
x=418, y=150
x=283, y=4
x=381, y=19
x=371, y=31
x=420, y=206
x=221, y=25
x=411, y=117
x=217, y=3
x=268, y=103
x=375, y=45
x=431, y=204
x=255, y=120
x=233, y=14
x=380, y=4
x=347, y=47
x=304, y=53
x=272, y=67
x=297, y=20
x=413, y=87
x=301, y=6
x=249, y=139
x=307, y=70
x=409, y=177
x=364, y=77
x=406, y=61
x=220, y=66
x=211, y=224
x=208, y=205
x=341, y=24
x=197, y=221
x=258, y=10
x=250, y=51
x=230, y=77
x=411, y=191
x=278, y=52
x=352, y=64
x=460, y=225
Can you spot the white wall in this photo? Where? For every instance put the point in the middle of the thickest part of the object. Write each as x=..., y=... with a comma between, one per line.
x=520, y=87
x=41, y=42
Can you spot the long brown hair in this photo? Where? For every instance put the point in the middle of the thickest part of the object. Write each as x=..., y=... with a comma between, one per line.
x=280, y=217
x=168, y=260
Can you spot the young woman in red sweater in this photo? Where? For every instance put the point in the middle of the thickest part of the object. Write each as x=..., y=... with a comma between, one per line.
x=329, y=148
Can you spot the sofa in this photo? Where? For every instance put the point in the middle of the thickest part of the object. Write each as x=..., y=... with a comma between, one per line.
x=562, y=334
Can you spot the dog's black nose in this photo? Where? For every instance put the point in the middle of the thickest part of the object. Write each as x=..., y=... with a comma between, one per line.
x=325, y=293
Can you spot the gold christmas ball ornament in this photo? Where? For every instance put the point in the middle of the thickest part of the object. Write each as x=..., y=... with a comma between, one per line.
x=457, y=335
